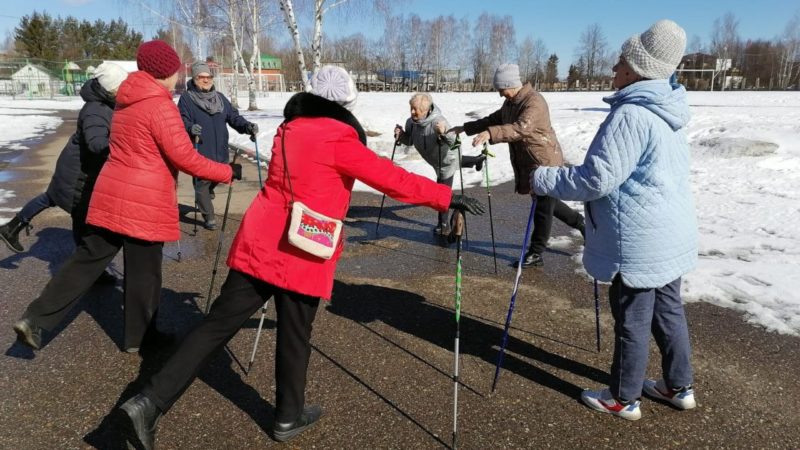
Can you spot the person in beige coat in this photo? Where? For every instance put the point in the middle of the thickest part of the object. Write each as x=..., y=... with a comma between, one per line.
x=524, y=123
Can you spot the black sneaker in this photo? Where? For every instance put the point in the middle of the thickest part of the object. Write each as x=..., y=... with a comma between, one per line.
x=531, y=260
x=285, y=431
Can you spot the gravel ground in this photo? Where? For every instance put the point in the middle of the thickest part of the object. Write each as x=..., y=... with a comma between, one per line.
x=383, y=347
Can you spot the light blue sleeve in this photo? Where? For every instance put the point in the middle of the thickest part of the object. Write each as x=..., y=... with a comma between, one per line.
x=612, y=157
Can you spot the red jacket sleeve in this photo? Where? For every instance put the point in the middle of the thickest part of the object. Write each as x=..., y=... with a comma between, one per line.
x=356, y=160
x=172, y=139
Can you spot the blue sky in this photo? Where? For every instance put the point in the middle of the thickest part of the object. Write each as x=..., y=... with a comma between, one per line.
x=558, y=23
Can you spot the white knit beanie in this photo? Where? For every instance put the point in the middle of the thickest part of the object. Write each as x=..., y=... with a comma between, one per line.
x=507, y=77
x=656, y=53
x=335, y=84
x=110, y=75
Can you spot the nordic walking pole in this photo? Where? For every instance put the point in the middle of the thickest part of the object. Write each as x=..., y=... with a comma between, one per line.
x=487, y=153
x=179, y=250
x=457, y=145
x=383, y=199
x=258, y=336
x=221, y=236
x=597, y=313
x=458, y=228
x=513, y=296
x=194, y=232
x=258, y=161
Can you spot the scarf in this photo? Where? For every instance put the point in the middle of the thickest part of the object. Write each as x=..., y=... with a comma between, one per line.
x=209, y=102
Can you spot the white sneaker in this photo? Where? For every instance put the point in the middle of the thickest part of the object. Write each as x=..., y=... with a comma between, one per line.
x=603, y=401
x=682, y=398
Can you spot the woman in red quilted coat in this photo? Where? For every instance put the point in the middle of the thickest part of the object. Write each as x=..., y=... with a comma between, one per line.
x=133, y=205
x=325, y=153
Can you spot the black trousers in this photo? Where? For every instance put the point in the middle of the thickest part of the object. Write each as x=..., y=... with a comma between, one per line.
x=141, y=289
x=241, y=296
x=546, y=209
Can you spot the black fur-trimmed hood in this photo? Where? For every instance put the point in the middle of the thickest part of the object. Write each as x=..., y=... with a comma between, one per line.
x=304, y=104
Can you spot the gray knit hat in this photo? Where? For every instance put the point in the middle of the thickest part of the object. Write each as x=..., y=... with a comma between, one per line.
x=507, y=77
x=656, y=53
x=335, y=84
x=199, y=67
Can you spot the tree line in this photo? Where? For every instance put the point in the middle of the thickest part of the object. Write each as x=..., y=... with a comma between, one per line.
x=452, y=53
x=41, y=36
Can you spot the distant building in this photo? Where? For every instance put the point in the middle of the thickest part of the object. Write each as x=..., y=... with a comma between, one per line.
x=34, y=79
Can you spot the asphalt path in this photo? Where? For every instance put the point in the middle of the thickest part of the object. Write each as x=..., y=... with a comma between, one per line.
x=383, y=347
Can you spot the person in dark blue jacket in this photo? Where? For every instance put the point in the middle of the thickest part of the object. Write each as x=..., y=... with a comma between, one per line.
x=206, y=114
x=79, y=163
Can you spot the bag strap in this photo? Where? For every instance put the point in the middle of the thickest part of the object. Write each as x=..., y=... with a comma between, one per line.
x=286, y=162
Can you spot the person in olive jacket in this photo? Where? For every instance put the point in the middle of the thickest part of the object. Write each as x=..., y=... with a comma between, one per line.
x=206, y=114
x=524, y=122
x=78, y=164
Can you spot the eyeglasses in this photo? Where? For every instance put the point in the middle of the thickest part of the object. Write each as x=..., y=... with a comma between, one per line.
x=205, y=77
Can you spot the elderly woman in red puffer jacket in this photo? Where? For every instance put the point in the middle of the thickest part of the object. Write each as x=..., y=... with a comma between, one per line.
x=325, y=153
x=134, y=203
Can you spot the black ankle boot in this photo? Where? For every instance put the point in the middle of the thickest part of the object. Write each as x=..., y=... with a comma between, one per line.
x=530, y=260
x=285, y=431
x=10, y=233
x=137, y=420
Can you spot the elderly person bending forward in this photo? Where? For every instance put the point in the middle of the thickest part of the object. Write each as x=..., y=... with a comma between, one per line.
x=641, y=233
x=317, y=154
x=524, y=123
x=426, y=129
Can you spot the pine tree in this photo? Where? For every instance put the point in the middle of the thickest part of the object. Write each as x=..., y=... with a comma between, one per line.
x=37, y=36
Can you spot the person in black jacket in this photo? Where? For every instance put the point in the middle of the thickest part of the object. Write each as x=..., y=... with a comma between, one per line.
x=206, y=113
x=79, y=162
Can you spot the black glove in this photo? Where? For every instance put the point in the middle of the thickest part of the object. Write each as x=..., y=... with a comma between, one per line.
x=468, y=204
x=196, y=130
x=473, y=161
x=236, y=168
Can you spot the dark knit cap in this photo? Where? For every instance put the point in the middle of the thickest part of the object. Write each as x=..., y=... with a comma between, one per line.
x=158, y=59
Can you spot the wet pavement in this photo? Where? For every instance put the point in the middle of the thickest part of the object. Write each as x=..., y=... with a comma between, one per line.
x=383, y=347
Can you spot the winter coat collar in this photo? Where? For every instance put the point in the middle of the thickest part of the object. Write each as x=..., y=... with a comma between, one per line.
x=140, y=86
x=92, y=91
x=667, y=101
x=304, y=104
x=524, y=92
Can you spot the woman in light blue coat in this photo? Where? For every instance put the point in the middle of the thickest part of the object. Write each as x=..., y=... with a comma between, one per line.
x=641, y=232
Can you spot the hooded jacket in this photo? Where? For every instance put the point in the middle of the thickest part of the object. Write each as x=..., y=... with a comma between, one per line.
x=326, y=153
x=635, y=182
x=434, y=149
x=523, y=122
x=136, y=194
x=214, y=137
x=86, y=151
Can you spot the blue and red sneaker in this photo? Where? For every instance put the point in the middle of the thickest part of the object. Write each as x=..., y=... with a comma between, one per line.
x=681, y=398
x=603, y=401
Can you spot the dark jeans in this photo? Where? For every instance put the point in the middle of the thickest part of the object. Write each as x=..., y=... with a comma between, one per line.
x=42, y=202
x=546, y=209
x=141, y=289
x=35, y=206
x=638, y=313
x=241, y=296
x=203, y=193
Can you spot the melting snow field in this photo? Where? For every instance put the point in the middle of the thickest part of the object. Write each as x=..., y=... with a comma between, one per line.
x=745, y=172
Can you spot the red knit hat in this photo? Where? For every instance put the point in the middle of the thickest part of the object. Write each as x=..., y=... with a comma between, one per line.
x=158, y=59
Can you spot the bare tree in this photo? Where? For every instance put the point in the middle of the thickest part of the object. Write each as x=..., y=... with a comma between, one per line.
x=591, y=51
x=695, y=45
x=725, y=41
x=790, y=52
x=526, y=59
x=481, y=49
